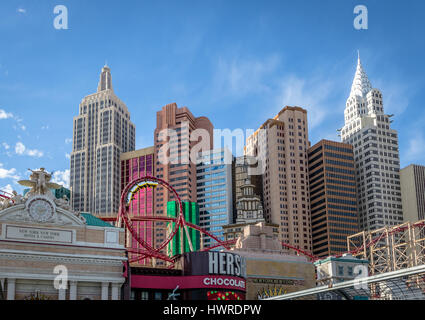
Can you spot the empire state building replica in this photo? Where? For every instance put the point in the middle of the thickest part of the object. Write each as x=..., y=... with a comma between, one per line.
x=102, y=131
x=376, y=155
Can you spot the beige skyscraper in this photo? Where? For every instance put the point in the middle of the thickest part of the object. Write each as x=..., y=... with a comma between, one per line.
x=282, y=144
x=101, y=132
x=412, y=180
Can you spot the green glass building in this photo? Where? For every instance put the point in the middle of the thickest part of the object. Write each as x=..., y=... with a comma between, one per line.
x=191, y=214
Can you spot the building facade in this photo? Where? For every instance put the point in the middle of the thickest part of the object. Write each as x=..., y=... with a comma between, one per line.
x=198, y=276
x=214, y=172
x=376, y=154
x=173, y=148
x=281, y=144
x=344, y=268
x=333, y=197
x=249, y=210
x=42, y=239
x=137, y=164
x=413, y=192
x=269, y=270
x=244, y=170
x=101, y=132
x=248, y=206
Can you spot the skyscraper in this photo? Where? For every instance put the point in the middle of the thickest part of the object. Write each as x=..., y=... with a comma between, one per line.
x=249, y=211
x=215, y=191
x=173, y=148
x=101, y=132
x=281, y=144
x=242, y=174
x=413, y=192
x=134, y=165
x=376, y=154
x=333, y=198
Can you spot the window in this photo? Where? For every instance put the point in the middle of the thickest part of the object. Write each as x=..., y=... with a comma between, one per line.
x=340, y=270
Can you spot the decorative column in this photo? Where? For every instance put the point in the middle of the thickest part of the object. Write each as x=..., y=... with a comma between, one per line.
x=105, y=292
x=3, y=289
x=115, y=291
x=11, y=288
x=73, y=290
x=62, y=294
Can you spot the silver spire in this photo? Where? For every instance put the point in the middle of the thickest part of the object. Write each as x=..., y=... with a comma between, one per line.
x=361, y=84
x=105, y=81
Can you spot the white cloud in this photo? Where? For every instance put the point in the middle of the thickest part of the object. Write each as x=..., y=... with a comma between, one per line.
x=19, y=123
x=415, y=149
x=312, y=94
x=68, y=140
x=22, y=150
x=67, y=155
x=21, y=10
x=5, y=145
x=8, y=188
x=35, y=153
x=61, y=177
x=240, y=77
x=5, y=115
x=8, y=173
x=45, y=127
x=317, y=92
x=9, y=115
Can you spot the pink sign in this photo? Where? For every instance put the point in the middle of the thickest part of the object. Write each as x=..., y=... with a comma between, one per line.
x=188, y=282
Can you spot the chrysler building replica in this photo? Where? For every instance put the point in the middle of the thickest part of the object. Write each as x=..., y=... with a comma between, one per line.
x=102, y=131
x=376, y=155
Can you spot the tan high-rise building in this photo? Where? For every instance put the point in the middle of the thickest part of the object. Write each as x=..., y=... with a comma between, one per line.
x=173, y=161
x=281, y=144
x=101, y=132
x=412, y=180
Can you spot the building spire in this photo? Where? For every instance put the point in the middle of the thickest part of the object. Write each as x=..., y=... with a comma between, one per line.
x=105, y=81
x=361, y=84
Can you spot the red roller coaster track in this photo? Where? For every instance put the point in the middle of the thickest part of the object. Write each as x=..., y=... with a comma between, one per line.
x=148, y=251
x=6, y=195
x=382, y=236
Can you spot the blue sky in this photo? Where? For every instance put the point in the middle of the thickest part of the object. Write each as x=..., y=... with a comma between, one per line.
x=236, y=62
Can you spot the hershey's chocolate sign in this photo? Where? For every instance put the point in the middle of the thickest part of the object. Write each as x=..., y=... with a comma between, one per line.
x=225, y=263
